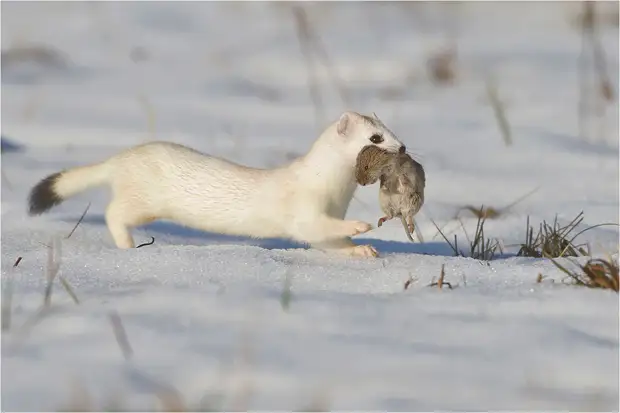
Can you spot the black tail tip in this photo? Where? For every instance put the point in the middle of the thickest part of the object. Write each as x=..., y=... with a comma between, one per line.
x=43, y=197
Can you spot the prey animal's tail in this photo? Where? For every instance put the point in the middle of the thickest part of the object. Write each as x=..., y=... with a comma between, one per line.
x=57, y=187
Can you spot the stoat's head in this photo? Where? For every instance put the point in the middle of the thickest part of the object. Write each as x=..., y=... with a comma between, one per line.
x=358, y=131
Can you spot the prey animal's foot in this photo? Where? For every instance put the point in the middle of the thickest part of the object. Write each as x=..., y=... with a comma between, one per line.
x=382, y=220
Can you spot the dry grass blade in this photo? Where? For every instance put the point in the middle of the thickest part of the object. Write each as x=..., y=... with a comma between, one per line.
x=53, y=266
x=146, y=105
x=587, y=22
x=441, y=67
x=69, y=289
x=604, y=93
x=337, y=82
x=481, y=248
x=442, y=275
x=587, y=229
x=409, y=281
x=492, y=213
x=540, y=278
x=6, y=180
x=600, y=60
x=418, y=233
x=79, y=221
x=595, y=273
x=554, y=240
x=454, y=247
x=482, y=212
x=313, y=40
x=7, y=296
x=440, y=283
x=304, y=36
x=286, y=295
x=120, y=335
x=499, y=112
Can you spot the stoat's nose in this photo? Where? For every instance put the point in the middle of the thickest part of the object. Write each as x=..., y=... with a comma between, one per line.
x=402, y=149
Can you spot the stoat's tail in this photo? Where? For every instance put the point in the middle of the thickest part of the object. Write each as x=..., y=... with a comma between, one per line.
x=57, y=187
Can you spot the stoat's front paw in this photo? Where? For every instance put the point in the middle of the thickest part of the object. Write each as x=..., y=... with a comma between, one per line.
x=364, y=251
x=357, y=227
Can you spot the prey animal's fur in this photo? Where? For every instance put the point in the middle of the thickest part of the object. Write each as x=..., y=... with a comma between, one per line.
x=402, y=183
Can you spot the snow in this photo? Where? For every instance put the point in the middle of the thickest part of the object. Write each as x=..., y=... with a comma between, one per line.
x=204, y=313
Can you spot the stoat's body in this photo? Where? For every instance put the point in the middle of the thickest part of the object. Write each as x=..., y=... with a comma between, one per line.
x=305, y=200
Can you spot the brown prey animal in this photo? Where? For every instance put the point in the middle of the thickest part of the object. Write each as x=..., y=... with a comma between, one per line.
x=402, y=183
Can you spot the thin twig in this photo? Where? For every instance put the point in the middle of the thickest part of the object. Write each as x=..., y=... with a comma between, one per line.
x=79, y=221
x=151, y=242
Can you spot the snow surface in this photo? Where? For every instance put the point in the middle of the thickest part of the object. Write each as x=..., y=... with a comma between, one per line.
x=205, y=313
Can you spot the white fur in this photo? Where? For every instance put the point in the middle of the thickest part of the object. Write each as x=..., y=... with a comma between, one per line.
x=305, y=200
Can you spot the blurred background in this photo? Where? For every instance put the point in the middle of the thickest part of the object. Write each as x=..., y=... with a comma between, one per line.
x=482, y=93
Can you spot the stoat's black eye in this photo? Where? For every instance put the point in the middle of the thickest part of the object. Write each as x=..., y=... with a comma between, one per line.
x=376, y=138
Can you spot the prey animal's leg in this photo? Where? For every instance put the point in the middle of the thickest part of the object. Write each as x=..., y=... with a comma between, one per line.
x=410, y=224
x=407, y=227
x=382, y=220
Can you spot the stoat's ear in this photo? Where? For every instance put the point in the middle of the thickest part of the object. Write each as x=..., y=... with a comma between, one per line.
x=344, y=124
x=374, y=115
